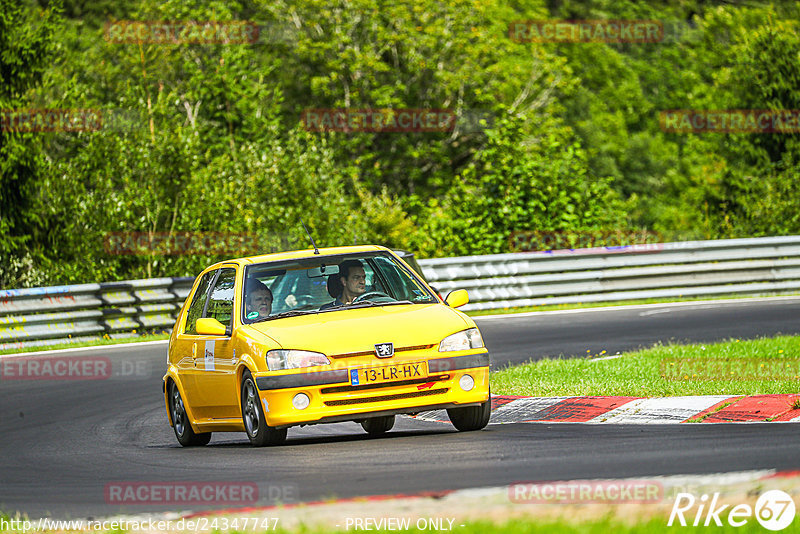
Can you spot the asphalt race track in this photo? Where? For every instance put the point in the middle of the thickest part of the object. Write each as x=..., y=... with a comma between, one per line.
x=64, y=441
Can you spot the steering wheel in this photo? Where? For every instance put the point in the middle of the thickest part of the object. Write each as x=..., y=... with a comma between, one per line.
x=369, y=294
x=305, y=300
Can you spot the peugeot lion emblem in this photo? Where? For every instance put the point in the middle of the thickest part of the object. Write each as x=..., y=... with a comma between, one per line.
x=384, y=350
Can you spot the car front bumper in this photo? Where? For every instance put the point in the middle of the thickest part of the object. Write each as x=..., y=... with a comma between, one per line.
x=333, y=398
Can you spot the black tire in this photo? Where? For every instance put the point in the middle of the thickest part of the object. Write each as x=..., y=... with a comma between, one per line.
x=375, y=426
x=471, y=417
x=180, y=421
x=258, y=432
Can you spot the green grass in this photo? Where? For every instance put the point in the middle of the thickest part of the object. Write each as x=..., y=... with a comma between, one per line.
x=760, y=366
x=91, y=343
x=528, y=525
x=581, y=305
x=595, y=526
x=605, y=525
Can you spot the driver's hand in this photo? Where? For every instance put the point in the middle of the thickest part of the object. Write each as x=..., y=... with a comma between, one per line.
x=291, y=301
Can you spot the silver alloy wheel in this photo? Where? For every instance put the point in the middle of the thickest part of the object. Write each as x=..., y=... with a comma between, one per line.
x=251, y=414
x=178, y=411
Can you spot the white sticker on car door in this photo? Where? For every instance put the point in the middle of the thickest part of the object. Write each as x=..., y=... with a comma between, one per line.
x=209, y=356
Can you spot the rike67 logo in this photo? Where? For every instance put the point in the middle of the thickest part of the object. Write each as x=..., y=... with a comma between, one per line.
x=774, y=510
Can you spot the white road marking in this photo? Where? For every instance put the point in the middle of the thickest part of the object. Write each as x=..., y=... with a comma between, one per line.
x=726, y=302
x=671, y=310
x=132, y=345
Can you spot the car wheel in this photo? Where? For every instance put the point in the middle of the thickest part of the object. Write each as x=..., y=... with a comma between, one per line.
x=180, y=421
x=375, y=426
x=471, y=417
x=255, y=424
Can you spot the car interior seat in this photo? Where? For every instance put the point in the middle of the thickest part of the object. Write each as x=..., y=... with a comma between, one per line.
x=334, y=285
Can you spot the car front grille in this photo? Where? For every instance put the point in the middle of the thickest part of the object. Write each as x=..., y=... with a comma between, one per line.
x=398, y=396
x=384, y=385
x=372, y=352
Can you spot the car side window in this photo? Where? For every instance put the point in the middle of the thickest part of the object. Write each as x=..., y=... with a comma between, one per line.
x=220, y=302
x=403, y=285
x=198, y=303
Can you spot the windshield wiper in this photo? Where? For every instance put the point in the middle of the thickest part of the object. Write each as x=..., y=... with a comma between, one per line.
x=364, y=304
x=370, y=303
x=290, y=313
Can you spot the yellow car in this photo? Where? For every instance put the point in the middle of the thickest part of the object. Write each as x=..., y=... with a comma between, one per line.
x=319, y=336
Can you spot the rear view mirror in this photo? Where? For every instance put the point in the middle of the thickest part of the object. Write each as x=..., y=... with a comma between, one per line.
x=323, y=270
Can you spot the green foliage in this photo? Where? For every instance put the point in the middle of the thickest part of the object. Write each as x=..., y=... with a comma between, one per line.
x=541, y=183
x=738, y=185
x=209, y=137
x=26, y=48
x=365, y=54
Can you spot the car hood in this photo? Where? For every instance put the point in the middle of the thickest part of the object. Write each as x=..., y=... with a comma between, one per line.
x=358, y=330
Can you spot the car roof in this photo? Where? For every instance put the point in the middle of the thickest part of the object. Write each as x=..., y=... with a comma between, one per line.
x=296, y=254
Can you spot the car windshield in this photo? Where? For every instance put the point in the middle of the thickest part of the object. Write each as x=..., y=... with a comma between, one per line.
x=314, y=285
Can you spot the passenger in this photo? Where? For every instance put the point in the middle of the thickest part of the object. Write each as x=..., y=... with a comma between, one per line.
x=353, y=282
x=258, y=300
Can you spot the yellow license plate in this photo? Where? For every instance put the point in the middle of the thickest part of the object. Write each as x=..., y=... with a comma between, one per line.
x=389, y=373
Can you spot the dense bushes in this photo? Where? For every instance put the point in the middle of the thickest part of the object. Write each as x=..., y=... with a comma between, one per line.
x=209, y=137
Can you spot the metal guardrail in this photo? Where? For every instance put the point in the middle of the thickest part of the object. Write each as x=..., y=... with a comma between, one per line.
x=759, y=266
x=47, y=315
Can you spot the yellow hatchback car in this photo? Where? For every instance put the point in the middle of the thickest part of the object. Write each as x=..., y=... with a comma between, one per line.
x=320, y=336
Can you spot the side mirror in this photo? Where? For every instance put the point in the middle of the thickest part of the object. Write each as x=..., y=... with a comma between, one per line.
x=208, y=326
x=457, y=298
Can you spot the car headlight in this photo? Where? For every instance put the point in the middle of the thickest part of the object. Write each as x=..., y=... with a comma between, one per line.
x=465, y=340
x=294, y=359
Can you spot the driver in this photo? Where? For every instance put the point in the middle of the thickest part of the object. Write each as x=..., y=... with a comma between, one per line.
x=258, y=300
x=353, y=280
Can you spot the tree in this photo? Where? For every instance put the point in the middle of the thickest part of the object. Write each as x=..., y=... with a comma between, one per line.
x=509, y=187
x=27, y=45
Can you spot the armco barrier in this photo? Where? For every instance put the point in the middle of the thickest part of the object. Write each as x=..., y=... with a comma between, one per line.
x=770, y=265
x=46, y=315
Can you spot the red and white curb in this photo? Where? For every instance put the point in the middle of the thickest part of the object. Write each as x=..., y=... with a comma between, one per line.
x=638, y=410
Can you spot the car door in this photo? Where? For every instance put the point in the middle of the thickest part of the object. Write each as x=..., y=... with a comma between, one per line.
x=184, y=349
x=215, y=379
